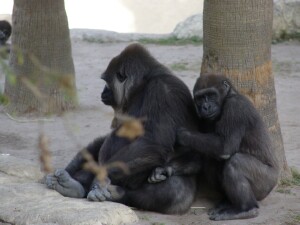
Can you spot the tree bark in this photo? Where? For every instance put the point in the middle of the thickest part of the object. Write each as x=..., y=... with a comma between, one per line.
x=237, y=43
x=40, y=59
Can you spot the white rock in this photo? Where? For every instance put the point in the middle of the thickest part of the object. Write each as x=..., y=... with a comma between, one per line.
x=286, y=17
x=23, y=169
x=24, y=201
x=191, y=27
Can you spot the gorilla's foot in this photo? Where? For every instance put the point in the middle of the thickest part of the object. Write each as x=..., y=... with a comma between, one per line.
x=63, y=183
x=101, y=193
x=233, y=214
x=220, y=207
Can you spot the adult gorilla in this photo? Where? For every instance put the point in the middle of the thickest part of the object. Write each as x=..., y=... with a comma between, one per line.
x=139, y=86
x=240, y=160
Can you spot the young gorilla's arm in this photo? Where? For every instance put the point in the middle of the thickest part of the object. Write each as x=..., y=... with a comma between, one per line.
x=209, y=144
x=189, y=163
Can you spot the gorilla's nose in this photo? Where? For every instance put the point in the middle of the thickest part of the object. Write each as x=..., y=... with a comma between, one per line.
x=206, y=107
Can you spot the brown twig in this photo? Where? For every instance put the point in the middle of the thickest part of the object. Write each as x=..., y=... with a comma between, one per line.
x=100, y=171
x=45, y=154
x=131, y=128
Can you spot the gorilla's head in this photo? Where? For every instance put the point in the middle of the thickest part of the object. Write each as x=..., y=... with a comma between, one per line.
x=5, y=31
x=126, y=74
x=210, y=93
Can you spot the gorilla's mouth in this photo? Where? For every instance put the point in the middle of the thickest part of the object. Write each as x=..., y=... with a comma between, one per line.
x=105, y=101
x=107, y=96
x=205, y=115
x=210, y=116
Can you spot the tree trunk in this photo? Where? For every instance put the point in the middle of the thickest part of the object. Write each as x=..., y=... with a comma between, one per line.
x=41, y=59
x=237, y=42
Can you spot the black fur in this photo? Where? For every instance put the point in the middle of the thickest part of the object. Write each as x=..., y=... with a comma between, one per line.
x=139, y=86
x=240, y=161
x=5, y=31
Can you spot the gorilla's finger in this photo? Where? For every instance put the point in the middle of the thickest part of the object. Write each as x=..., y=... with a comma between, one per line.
x=92, y=197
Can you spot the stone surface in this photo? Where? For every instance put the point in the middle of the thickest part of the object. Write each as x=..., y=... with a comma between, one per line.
x=20, y=168
x=189, y=28
x=286, y=18
x=25, y=201
x=286, y=21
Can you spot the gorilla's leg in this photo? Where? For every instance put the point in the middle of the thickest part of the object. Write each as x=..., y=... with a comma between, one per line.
x=173, y=196
x=74, y=181
x=245, y=180
x=63, y=183
x=77, y=162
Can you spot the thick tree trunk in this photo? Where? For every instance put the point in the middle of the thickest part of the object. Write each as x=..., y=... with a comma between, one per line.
x=41, y=59
x=237, y=43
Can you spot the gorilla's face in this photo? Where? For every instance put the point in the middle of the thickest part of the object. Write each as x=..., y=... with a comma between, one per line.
x=210, y=92
x=207, y=102
x=5, y=31
x=116, y=82
x=125, y=75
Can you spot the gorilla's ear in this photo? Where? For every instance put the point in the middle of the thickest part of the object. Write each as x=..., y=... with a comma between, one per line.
x=226, y=84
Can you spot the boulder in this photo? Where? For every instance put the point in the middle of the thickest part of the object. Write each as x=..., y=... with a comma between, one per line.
x=25, y=201
x=189, y=28
x=286, y=20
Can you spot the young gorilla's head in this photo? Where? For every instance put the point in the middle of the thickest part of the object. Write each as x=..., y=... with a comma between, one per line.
x=210, y=93
x=5, y=31
x=126, y=74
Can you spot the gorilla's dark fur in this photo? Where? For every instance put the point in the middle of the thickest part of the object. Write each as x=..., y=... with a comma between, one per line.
x=237, y=154
x=5, y=31
x=139, y=86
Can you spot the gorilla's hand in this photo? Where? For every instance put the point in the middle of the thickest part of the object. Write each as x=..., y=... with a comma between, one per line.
x=99, y=192
x=182, y=136
x=160, y=174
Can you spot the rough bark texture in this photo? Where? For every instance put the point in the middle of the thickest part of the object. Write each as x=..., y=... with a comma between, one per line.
x=237, y=43
x=41, y=59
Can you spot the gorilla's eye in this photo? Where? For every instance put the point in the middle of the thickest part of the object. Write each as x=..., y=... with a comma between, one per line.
x=121, y=77
x=211, y=97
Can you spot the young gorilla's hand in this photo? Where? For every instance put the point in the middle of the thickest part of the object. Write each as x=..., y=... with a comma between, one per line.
x=160, y=174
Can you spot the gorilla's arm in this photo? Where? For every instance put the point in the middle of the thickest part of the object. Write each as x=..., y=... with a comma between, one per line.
x=228, y=132
x=140, y=158
x=233, y=124
x=93, y=148
x=187, y=163
x=183, y=164
x=209, y=144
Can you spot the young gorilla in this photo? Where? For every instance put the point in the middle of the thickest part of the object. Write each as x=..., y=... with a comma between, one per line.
x=5, y=31
x=139, y=86
x=237, y=146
